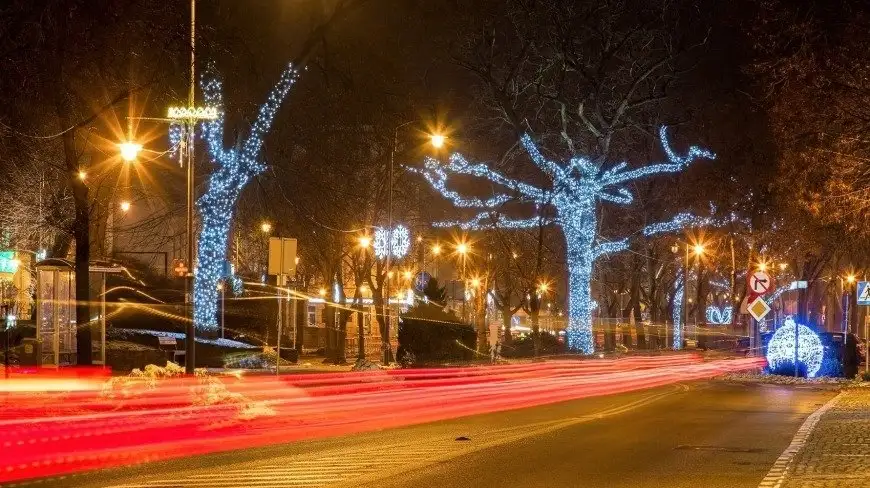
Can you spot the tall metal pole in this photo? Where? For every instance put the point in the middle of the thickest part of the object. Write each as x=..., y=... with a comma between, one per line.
x=385, y=340
x=189, y=349
x=685, y=297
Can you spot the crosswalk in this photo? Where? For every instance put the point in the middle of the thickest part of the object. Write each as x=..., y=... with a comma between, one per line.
x=324, y=469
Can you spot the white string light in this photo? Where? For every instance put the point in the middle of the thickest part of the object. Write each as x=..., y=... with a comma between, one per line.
x=576, y=189
x=780, y=349
x=235, y=166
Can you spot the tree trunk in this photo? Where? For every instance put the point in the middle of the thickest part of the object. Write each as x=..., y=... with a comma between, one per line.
x=580, y=262
x=506, y=318
x=361, y=334
x=329, y=320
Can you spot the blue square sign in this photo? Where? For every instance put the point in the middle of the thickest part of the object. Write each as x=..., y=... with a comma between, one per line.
x=864, y=293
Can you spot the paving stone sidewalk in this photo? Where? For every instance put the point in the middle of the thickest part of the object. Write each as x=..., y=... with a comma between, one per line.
x=837, y=452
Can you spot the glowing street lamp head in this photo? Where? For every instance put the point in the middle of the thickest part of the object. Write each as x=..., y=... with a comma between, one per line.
x=698, y=249
x=783, y=266
x=762, y=266
x=475, y=282
x=850, y=278
x=125, y=206
x=407, y=275
x=82, y=174
x=322, y=292
x=365, y=242
x=129, y=151
x=437, y=140
x=266, y=227
x=436, y=249
x=462, y=248
x=544, y=287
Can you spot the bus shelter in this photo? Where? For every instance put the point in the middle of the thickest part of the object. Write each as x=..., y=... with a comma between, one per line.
x=56, y=310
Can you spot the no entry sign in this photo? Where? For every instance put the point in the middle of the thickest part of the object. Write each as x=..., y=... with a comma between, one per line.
x=759, y=283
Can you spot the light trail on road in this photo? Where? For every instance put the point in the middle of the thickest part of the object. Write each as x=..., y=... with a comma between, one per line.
x=48, y=432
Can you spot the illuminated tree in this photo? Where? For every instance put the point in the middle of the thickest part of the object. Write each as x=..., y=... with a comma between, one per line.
x=575, y=190
x=235, y=167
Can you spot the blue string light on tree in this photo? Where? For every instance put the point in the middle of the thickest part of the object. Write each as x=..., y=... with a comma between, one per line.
x=577, y=186
x=235, y=166
x=780, y=349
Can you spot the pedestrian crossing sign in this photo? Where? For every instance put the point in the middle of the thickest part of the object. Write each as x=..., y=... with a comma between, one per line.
x=864, y=293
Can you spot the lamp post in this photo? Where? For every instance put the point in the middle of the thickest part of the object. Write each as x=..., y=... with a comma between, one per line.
x=462, y=250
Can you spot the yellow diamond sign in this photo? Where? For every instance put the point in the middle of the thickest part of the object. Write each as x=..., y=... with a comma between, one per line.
x=758, y=308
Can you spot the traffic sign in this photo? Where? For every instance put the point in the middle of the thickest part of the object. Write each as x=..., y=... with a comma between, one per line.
x=760, y=283
x=421, y=280
x=758, y=309
x=864, y=293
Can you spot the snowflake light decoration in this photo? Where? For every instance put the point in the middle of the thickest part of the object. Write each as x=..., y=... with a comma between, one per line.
x=396, y=243
x=780, y=349
x=577, y=186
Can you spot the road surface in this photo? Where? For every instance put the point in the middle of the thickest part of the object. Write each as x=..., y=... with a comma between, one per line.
x=697, y=434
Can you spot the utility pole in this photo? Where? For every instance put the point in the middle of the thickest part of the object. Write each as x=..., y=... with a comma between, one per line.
x=188, y=150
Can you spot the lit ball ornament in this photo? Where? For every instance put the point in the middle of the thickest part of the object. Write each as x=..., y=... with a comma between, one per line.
x=780, y=349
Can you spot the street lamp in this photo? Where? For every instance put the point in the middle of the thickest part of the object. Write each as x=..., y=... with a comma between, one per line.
x=266, y=227
x=82, y=174
x=220, y=287
x=125, y=206
x=365, y=242
x=437, y=140
x=129, y=151
x=783, y=266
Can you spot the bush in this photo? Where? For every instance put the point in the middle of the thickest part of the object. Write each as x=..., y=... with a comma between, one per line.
x=865, y=376
x=433, y=340
x=786, y=368
x=524, y=347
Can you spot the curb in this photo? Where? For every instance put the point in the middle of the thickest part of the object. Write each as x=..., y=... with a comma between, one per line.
x=777, y=474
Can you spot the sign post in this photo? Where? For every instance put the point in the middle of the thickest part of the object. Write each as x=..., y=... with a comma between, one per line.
x=758, y=284
x=863, y=300
x=282, y=264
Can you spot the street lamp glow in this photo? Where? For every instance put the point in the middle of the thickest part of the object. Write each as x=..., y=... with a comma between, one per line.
x=850, y=278
x=462, y=248
x=407, y=275
x=783, y=266
x=436, y=249
x=762, y=266
x=475, y=282
x=365, y=242
x=322, y=292
x=125, y=206
x=698, y=249
x=266, y=227
x=544, y=287
x=220, y=287
x=82, y=174
x=129, y=151
x=437, y=140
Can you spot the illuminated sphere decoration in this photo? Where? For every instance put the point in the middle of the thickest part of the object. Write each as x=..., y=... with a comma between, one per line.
x=396, y=243
x=780, y=349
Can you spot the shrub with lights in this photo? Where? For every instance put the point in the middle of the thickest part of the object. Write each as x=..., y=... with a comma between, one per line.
x=576, y=189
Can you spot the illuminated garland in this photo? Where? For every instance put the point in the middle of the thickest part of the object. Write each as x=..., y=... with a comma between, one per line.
x=719, y=316
x=235, y=166
x=576, y=189
x=780, y=349
x=677, y=315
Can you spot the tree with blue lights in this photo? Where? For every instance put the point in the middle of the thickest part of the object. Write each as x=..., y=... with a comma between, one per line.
x=576, y=189
x=236, y=166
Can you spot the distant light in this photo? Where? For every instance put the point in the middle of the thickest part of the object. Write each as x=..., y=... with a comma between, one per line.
x=762, y=266
x=462, y=248
x=783, y=266
x=266, y=227
x=436, y=249
x=437, y=140
x=125, y=206
x=129, y=151
x=220, y=287
x=82, y=174
x=322, y=292
x=407, y=275
x=698, y=249
x=850, y=278
x=365, y=242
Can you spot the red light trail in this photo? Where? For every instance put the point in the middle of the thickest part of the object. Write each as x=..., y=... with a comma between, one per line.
x=52, y=424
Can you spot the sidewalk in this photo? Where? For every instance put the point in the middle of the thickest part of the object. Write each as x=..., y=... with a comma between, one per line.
x=837, y=451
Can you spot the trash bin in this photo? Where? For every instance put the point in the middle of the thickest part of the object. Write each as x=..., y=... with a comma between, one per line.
x=30, y=352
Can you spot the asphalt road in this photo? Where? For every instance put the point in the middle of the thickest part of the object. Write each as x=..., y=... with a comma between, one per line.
x=704, y=434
